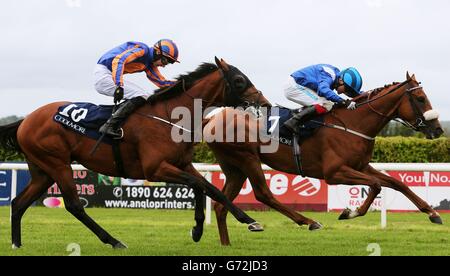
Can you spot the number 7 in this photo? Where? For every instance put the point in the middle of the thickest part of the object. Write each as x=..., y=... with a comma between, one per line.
x=276, y=120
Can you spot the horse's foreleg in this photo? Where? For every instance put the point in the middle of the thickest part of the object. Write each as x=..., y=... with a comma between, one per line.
x=169, y=173
x=390, y=182
x=233, y=184
x=75, y=207
x=350, y=176
x=197, y=231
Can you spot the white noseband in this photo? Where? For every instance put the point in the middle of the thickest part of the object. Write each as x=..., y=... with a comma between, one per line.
x=431, y=115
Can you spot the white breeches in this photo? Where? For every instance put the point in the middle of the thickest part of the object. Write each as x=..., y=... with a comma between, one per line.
x=304, y=96
x=104, y=84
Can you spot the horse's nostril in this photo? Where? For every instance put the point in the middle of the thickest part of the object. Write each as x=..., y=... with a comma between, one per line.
x=438, y=132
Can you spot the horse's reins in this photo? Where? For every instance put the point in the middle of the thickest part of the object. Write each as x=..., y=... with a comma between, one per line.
x=164, y=121
x=185, y=92
x=379, y=97
x=419, y=120
x=296, y=146
x=420, y=123
x=225, y=89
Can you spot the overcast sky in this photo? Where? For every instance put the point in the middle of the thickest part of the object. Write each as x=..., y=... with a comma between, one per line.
x=50, y=47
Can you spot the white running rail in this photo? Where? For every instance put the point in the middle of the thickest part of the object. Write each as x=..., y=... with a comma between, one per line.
x=206, y=169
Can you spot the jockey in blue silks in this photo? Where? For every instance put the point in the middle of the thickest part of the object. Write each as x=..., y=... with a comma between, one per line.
x=131, y=57
x=313, y=88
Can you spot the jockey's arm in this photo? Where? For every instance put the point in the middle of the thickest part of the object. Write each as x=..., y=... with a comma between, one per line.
x=118, y=64
x=155, y=76
x=323, y=90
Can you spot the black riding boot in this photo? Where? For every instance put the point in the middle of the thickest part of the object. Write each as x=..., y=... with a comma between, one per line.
x=111, y=127
x=304, y=115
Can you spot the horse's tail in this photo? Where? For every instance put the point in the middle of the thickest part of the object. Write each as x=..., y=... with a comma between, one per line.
x=8, y=137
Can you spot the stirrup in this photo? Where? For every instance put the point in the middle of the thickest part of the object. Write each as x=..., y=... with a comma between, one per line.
x=294, y=131
x=121, y=135
x=290, y=128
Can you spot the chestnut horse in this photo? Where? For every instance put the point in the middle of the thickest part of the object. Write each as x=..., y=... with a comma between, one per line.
x=336, y=155
x=147, y=148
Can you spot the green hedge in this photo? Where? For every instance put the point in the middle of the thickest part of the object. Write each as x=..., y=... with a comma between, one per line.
x=9, y=156
x=411, y=150
x=387, y=149
x=203, y=154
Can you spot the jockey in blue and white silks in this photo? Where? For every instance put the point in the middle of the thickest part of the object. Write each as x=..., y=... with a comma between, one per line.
x=313, y=88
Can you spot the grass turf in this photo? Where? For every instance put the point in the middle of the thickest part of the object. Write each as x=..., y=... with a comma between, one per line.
x=167, y=233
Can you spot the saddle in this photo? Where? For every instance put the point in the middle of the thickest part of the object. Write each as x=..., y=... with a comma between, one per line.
x=84, y=118
x=278, y=115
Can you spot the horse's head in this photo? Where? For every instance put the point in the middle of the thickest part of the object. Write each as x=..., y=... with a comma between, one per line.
x=416, y=111
x=239, y=90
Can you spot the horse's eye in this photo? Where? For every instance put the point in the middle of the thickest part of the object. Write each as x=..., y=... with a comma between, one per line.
x=239, y=82
x=421, y=99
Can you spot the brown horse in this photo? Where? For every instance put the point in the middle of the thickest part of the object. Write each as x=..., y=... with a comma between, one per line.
x=147, y=148
x=336, y=155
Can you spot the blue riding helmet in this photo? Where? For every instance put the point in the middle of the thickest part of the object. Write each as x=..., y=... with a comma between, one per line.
x=352, y=80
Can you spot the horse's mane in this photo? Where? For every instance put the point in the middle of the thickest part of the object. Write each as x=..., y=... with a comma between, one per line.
x=373, y=92
x=183, y=82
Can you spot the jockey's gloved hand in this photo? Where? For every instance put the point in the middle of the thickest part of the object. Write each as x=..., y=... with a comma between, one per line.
x=350, y=104
x=118, y=94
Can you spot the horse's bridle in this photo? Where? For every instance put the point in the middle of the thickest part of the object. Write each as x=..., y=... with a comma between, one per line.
x=420, y=119
x=227, y=91
x=234, y=97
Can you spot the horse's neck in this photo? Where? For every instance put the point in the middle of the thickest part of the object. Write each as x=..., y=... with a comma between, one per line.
x=371, y=122
x=208, y=90
x=192, y=103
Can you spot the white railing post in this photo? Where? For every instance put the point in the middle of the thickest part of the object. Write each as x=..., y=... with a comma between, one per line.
x=13, y=184
x=383, y=208
x=13, y=189
x=208, y=210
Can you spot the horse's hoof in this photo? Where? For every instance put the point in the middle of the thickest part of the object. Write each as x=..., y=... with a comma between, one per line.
x=435, y=219
x=196, y=235
x=349, y=214
x=345, y=214
x=315, y=226
x=120, y=245
x=15, y=246
x=255, y=227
